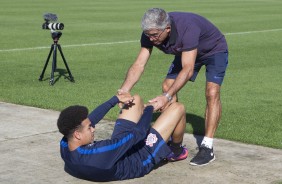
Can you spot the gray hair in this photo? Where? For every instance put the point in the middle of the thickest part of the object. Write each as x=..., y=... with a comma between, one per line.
x=155, y=18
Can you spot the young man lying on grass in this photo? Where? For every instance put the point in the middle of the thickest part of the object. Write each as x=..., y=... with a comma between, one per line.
x=135, y=146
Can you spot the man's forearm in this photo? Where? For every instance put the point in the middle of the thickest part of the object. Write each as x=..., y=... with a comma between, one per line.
x=135, y=71
x=133, y=75
x=180, y=81
x=188, y=59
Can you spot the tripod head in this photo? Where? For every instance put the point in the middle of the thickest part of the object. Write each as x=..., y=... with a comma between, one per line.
x=56, y=36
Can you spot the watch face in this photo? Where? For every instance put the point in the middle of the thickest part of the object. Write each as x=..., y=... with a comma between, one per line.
x=168, y=96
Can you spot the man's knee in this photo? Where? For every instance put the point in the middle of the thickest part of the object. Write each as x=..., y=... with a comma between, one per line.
x=165, y=86
x=213, y=93
x=167, y=83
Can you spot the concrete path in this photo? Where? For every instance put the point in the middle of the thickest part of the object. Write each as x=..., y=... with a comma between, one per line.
x=29, y=144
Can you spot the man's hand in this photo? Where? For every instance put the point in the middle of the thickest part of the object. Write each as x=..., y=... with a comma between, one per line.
x=122, y=91
x=124, y=97
x=159, y=103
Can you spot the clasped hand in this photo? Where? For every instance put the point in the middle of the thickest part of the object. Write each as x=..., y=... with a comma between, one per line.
x=125, y=98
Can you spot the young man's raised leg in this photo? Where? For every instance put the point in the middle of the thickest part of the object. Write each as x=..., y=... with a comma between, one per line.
x=134, y=111
x=171, y=125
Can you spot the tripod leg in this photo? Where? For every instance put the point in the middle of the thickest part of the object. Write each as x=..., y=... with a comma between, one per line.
x=54, y=64
x=66, y=64
x=46, y=63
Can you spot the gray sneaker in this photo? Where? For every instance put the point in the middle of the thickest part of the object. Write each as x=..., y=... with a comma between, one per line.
x=203, y=157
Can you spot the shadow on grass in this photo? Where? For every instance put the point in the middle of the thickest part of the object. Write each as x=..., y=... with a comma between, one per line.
x=197, y=123
x=58, y=73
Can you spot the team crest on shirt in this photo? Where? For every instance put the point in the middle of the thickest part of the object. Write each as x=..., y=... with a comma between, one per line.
x=151, y=139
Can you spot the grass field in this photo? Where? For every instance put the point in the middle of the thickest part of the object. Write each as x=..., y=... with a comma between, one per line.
x=100, y=42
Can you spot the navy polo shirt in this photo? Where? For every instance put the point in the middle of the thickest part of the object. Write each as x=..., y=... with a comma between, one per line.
x=188, y=32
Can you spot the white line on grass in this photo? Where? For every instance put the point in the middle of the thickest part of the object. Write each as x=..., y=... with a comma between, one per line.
x=78, y=45
x=130, y=41
x=250, y=32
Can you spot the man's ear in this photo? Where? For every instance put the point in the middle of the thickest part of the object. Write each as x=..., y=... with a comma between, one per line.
x=168, y=29
x=76, y=134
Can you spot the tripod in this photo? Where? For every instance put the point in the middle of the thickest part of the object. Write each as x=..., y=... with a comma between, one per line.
x=54, y=46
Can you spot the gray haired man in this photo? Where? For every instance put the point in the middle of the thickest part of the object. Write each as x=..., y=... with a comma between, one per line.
x=194, y=41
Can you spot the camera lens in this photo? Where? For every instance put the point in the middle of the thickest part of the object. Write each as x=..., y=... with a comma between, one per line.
x=56, y=26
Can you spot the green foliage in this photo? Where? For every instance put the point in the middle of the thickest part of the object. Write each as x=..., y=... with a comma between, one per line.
x=251, y=92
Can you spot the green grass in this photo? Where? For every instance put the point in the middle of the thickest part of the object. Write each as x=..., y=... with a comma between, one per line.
x=251, y=93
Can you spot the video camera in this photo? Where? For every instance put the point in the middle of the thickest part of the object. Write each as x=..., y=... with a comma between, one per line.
x=50, y=17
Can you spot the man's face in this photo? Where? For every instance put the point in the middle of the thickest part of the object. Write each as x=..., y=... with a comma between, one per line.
x=157, y=36
x=86, y=132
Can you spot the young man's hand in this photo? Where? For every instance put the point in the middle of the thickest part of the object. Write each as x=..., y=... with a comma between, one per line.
x=125, y=98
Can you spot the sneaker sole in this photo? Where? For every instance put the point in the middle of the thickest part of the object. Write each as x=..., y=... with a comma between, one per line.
x=194, y=164
x=183, y=158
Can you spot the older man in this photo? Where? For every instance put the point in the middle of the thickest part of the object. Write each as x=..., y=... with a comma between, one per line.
x=195, y=42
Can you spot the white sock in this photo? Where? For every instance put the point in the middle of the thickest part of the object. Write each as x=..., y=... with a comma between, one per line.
x=207, y=142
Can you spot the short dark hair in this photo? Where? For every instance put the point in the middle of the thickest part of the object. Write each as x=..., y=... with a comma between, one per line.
x=70, y=118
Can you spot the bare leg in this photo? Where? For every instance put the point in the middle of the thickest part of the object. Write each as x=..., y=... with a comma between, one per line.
x=179, y=131
x=213, y=108
x=172, y=122
x=133, y=112
x=213, y=113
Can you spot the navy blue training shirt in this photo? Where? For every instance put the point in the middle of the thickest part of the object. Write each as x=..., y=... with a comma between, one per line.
x=190, y=31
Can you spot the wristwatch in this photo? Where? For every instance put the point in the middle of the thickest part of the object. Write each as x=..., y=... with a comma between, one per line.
x=168, y=96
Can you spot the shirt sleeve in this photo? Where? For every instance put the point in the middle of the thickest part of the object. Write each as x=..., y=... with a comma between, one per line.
x=146, y=119
x=97, y=114
x=145, y=41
